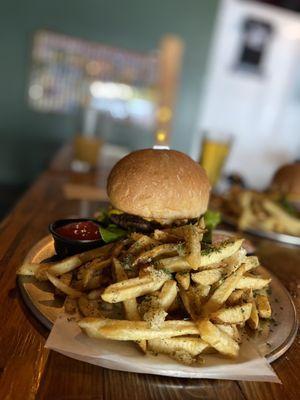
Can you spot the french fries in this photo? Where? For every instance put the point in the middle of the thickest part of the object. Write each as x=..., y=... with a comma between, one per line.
x=191, y=345
x=207, y=277
x=135, y=330
x=232, y=315
x=263, y=306
x=133, y=288
x=130, y=306
x=166, y=291
x=222, y=293
x=217, y=338
x=168, y=294
x=235, y=297
x=69, y=264
x=202, y=290
x=73, y=293
x=208, y=257
x=152, y=312
x=190, y=303
x=143, y=243
x=66, y=265
x=95, y=266
x=252, y=282
x=98, y=264
x=192, y=245
x=288, y=222
x=163, y=249
x=231, y=331
x=253, y=321
x=88, y=308
x=184, y=279
x=29, y=269
x=165, y=237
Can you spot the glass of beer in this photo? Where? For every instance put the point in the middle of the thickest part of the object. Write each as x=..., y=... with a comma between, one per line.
x=214, y=151
x=86, y=143
x=86, y=152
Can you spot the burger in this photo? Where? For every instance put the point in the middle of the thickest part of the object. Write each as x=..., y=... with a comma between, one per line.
x=286, y=181
x=153, y=188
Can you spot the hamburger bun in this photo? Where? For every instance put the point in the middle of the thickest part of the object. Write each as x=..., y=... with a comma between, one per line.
x=162, y=185
x=286, y=181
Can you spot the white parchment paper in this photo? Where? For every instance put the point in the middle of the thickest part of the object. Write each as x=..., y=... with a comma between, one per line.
x=67, y=338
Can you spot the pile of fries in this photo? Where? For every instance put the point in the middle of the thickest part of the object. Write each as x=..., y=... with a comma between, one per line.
x=259, y=210
x=167, y=291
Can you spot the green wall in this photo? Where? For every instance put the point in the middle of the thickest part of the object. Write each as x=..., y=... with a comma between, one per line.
x=28, y=139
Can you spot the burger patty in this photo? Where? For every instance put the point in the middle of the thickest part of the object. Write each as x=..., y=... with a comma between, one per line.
x=134, y=222
x=139, y=224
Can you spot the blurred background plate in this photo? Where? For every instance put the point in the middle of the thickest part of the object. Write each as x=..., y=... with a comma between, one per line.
x=272, y=339
x=280, y=237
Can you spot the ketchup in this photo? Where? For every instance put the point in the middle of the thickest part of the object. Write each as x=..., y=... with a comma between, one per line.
x=83, y=230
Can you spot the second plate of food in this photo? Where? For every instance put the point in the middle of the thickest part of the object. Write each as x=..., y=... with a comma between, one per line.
x=259, y=214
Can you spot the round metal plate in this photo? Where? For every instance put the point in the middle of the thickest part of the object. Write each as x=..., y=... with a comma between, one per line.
x=272, y=340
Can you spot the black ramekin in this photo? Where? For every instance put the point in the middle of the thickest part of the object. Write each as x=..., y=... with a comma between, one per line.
x=65, y=246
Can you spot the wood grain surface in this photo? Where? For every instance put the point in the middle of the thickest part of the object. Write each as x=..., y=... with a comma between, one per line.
x=29, y=371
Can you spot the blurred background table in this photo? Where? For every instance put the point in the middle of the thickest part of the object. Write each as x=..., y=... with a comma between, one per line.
x=29, y=371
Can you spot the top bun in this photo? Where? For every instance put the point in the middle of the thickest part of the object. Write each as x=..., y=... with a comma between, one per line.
x=287, y=181
x=159, y=184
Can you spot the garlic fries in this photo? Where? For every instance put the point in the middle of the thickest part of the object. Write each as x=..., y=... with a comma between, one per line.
x=168, y=292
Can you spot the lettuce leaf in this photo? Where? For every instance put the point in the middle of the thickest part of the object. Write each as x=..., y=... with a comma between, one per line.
x=111, y=233
x=211, y=219
x=288, y=207
x=102, y=216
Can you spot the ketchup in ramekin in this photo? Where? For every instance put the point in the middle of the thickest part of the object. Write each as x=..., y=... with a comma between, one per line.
x=80, y=230
x=72, y=236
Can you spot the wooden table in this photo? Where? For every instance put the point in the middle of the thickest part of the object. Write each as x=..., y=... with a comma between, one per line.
x=29, y=371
